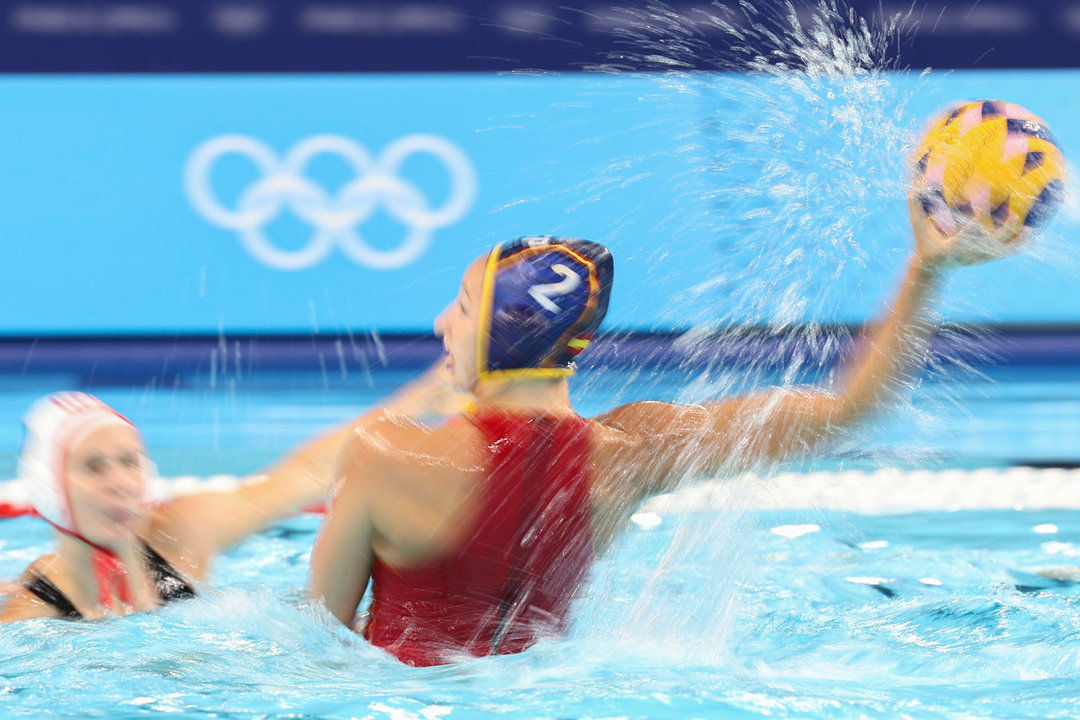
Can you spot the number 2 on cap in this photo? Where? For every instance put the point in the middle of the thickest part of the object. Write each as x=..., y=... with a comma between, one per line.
x=543, y=293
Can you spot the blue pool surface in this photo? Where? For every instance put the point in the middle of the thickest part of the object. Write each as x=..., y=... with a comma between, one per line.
x=707, y=615
x=711, y=615
x=953, y=417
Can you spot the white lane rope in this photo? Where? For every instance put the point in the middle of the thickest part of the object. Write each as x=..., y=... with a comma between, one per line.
x=885, y=491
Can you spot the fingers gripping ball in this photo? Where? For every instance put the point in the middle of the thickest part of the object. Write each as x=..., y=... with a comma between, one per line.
x=992, y=163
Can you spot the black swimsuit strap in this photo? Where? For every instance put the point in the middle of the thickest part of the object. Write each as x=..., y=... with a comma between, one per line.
x=44, y=589
x=169, y=584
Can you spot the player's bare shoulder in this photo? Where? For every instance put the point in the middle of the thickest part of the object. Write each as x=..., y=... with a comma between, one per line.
x=401, y=441
x=637, y=446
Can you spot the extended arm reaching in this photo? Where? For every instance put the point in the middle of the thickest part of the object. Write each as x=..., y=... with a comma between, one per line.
x=667, y=442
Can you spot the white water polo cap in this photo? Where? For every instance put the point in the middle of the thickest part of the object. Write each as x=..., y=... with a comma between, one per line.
x=53, y=425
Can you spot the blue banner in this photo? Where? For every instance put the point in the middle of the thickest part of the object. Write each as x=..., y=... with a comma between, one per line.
x=304, y=204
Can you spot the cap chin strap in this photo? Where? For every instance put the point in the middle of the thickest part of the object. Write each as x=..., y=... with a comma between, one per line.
x=553, y=373
x=109, y=570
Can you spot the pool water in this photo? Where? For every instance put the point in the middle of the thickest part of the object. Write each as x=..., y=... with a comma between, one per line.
x=715, y=614
x=992, y=416
x=929, y=616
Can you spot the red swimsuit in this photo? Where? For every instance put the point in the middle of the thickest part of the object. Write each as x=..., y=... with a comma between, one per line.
x=515, y=576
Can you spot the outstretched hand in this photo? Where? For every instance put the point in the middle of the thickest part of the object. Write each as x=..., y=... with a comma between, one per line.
x=970, y=245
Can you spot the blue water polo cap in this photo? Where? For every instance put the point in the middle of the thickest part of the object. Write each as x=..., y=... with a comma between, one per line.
x=542, y=299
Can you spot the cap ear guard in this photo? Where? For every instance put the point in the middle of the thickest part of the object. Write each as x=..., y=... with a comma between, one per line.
x=542, y=299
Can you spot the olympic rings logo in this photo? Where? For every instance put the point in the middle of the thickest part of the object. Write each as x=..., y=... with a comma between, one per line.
x=335, y=219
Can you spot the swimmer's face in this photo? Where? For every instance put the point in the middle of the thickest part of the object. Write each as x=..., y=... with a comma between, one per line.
x=458, y=325
x=107, y=473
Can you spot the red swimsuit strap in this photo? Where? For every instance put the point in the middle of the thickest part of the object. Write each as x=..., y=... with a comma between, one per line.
x=109, y=571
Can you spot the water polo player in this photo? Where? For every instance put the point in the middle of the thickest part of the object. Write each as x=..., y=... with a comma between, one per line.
x=476, y=535
x=89, y=471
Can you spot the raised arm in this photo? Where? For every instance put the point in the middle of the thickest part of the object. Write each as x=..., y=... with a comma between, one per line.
x=664, y=443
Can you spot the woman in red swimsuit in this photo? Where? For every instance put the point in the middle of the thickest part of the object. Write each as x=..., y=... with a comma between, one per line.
x=477, y=534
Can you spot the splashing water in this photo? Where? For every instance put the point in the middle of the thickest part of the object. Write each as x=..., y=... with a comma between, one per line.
x=803, y=155
x=800, y=159
x=863, y=617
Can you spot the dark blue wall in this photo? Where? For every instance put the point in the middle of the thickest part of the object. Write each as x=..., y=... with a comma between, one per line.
x=455, y=36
